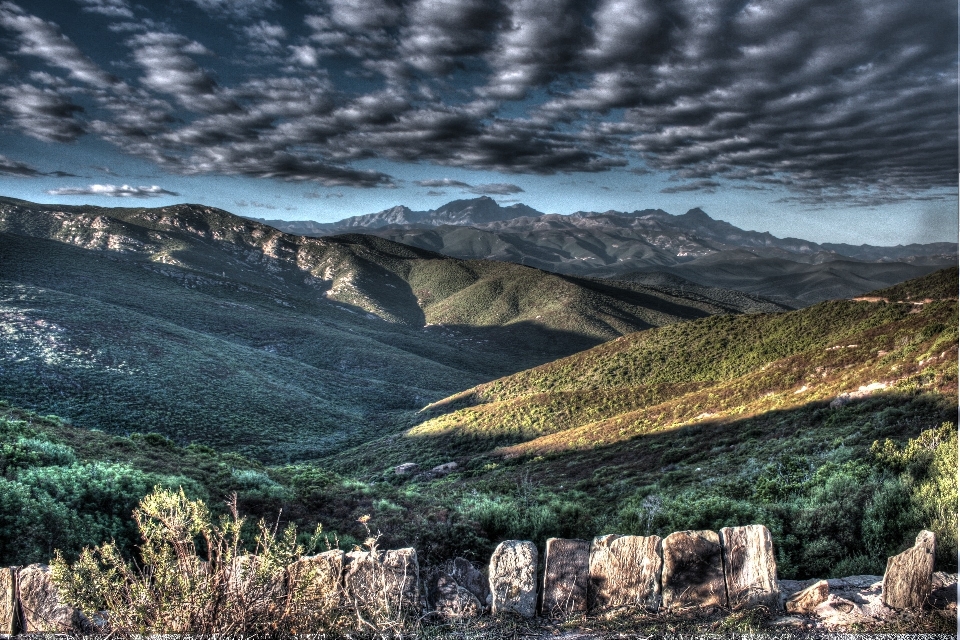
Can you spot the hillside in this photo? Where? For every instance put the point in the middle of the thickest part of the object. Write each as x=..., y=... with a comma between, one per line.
x=631, y=245
x=709, y=423
x=211, y=328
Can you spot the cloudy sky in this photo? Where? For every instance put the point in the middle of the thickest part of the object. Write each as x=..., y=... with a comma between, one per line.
x=823, y=119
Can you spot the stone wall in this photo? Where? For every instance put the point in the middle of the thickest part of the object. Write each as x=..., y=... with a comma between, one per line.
x=730, y=570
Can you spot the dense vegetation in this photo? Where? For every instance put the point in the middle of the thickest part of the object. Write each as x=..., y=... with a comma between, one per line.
x=716, y=422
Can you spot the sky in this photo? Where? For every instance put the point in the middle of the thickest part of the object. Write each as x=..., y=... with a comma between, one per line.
x=829, y=120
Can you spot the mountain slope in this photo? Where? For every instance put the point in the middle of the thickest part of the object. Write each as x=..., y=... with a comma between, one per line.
x=212, y=328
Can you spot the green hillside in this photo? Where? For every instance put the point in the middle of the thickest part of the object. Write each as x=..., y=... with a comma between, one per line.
x=206, y=327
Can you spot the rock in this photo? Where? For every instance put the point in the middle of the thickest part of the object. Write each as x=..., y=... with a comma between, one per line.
x=385, y=583
x=513, y=578
x=807, y=600
x=469, y=577
x=907, y=582
x=406, y=469
x=625, y=572
x=453, y=602
x=749, y=567
x=40, y=605
x=444, y=469
x=693, y=571
x=841, y=613
x=944, y=592
x=566, y=576
x=314, y=583
x=8, y=601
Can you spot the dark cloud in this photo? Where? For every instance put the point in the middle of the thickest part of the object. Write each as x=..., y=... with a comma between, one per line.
x=495, y=189
x=113, y=191
x=443, y=182
x=829, y=99
x=707, y=186
x=10, y=167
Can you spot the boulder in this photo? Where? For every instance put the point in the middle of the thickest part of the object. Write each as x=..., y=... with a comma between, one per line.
x=406, y=469
x=444, y=469
x=314, y=582
x=944, y=593
x=625, y=572
x=749, y=567
x=907, y=582
x=386, y=582
x=513, y=578
x=806, y=601
x=693, y=571
x=41, y=609
x=566, y=576
x=8, y=601
x=469, y=577
x=451, y=601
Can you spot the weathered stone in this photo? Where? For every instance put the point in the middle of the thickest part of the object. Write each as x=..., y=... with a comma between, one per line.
x=8, y=601
x=693, y=571
x=749, y=567
x=314, y=582
x=406, y=469
x=451, y=601
x=944, y=593
x=40, y=605
x=387, y=582
x=907, y=582
x=807, y=600
x=513, y=578
x=444, y=469
x=469, y=577
x=625, y=572
x=566, y=576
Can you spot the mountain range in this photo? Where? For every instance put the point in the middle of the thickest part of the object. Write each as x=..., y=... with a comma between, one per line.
x=629, y=245
x=207, y=326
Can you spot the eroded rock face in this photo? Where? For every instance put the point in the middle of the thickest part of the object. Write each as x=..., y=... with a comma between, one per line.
x=314, y=582
x=469, y=577
x=513, y=578
x=807, y=600
x=693, y=571
x=8, y=600
x=907, y=582
x=625, y=572
x=566, y=576
x=41, y=608
x=749, y=567
x=386, y=583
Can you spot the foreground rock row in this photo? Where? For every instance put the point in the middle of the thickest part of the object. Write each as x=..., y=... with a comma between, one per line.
x=697, y=571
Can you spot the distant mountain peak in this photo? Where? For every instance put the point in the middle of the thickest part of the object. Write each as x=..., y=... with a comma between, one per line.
x=696, y=214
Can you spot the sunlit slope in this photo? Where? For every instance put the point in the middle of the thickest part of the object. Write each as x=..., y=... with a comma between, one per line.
x=713, y=370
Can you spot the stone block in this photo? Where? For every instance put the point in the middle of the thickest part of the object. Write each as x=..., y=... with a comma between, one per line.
x=749, y=567
x=907, y=582
x=451, y=601
x=566, y=577
x=693, y=571
x=8, y=601
x=469, y=577
x=314, y=583
x=513, y=578
x=387, y=582
x=625, y=572
x=41, y=607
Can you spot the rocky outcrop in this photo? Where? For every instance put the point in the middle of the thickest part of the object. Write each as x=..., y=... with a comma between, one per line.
x=566, y=576
x=625, y=572
x=41, y=607
x=749, y=567
x=693, y=571
x=383, y=582
x=513, y=578
x=907, y=582
x=8, y=601
x=808, y=599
